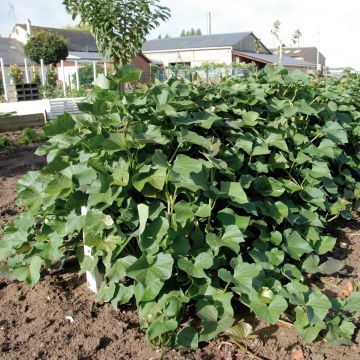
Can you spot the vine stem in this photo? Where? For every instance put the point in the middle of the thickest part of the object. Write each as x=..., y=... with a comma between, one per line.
x=175, y=152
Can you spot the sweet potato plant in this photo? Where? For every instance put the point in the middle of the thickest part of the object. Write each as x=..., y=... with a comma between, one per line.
x=200, y=198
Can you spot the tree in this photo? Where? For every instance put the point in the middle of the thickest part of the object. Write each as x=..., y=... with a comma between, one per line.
x=191, y=32
x=80, y=27
x=275, y=31
x=296, y=37
x=47, y=46
x=119, y=26
x=258, y=45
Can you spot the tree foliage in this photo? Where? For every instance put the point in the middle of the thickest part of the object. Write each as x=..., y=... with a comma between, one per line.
x=200, y=196
x=48, y=46
x=295, y=40
x=191, y=32
x=119, y=26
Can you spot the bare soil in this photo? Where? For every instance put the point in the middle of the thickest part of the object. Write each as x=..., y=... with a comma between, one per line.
x=57, y=319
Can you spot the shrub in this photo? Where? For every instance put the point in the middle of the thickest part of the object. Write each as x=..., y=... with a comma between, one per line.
x=16, y=73
x=4, y=142
x=51, y=76
x=200, y=197
x=47, y=46
x=35, y=76
x=86, y=74
x=27, y=136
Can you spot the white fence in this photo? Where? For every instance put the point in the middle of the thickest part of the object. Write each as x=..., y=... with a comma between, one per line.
x=51, y=107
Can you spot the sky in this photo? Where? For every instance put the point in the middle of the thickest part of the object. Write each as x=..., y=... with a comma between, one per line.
x=333, y=26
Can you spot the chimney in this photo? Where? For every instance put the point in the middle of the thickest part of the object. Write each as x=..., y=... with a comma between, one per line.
x=28, y=27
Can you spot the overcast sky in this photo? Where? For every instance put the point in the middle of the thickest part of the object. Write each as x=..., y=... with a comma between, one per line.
x=337, y=21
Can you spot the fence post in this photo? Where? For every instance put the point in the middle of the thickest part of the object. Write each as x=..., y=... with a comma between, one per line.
x=4, y=79
x=26, y=71
x=105, y=68
x=94, y=70
x=42, y=72
x=63, y=76
x=77, y=75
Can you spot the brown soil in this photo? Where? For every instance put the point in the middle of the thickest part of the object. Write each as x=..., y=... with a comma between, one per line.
x=35, y=323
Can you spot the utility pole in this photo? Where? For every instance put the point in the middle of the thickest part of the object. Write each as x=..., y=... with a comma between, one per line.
x=209, y=23
x=318, y=66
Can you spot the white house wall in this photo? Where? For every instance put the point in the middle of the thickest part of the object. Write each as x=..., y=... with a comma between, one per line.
x=19, y=34
x=195, y=57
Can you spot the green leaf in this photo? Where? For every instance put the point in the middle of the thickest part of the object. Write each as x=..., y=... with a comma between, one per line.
x=268, y=186
x=317, y=307
x=102, y=82
x=228, y=216
x=353, y=302
x=143, y=211
x=232, y=238
x=120, y=173
x=153, y=234
x=127, y=74
x=250, y=118
x=160, y=327
x=203, y=211
x=234, y=191
x=188, y=338
x=335, y=132
x=277, y=140
x=194, y=138
x=279, y=211
x=148, y=270
x=239, y=332
x=34, y=270
x=155, y=178
x=205, y=119
x=60, y=125
x=296, y=246
x=244, y=275
x=106, y=292
x=271, y=312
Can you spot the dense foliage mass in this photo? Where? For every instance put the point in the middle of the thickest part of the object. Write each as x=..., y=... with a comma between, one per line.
x=200, y=198
x=120, y=27
x=48, y=46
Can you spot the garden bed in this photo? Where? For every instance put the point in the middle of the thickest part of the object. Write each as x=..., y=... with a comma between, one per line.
x=35, y=322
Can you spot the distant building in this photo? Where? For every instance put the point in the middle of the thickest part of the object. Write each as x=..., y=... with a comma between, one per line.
x=309, y=54
x=218, y=48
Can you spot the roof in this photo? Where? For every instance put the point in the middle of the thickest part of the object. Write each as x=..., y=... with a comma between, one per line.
x=78, y=40
x=272, y=59
x=306, y=53
x=12, y=52
x=297, y=51
x=86, y=56
x=195, y=42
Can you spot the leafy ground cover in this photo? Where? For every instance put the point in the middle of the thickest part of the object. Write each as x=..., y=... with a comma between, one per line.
x=201, y=197
x=21, y=137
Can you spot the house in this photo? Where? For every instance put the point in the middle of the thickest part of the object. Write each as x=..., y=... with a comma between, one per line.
x=81, y=48
x=219, y=48
x=309, y=54
x=12, y=52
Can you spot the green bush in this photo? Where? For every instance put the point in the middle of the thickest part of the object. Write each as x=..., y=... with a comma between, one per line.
x=28, y=136
x=200, y=197
x=86, y=74
x=48, y=46
x=5, y=142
